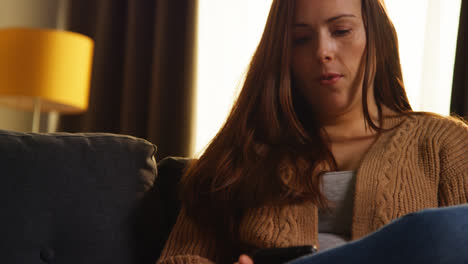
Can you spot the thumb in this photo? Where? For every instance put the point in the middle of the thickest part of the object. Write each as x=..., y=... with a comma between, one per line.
x=244, y=259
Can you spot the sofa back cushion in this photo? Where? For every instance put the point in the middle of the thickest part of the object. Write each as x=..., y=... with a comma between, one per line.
x=75, y=198
x=165, y=197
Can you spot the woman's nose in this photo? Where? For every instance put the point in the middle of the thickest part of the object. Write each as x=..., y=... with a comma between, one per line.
x=325, y=49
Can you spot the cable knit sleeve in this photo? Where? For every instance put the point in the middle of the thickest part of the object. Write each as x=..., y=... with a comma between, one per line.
x=453, y=185
x=188, y=244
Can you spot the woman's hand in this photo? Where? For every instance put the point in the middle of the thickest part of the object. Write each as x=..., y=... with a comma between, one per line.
x=244, y=259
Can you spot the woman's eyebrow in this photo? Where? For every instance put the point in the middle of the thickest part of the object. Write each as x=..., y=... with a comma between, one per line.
x=338, y=17
x=329, y=20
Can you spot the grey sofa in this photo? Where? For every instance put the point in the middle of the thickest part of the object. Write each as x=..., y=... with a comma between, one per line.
x=84, y=198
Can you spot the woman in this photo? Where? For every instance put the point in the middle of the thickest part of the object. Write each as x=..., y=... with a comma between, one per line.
x=322, y=148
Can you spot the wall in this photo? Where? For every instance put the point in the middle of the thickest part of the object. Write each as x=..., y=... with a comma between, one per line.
x=228, y=34
x=29, y=13
x=427, y=32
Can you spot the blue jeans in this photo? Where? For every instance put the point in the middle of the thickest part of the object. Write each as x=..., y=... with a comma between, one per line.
x=430, y=236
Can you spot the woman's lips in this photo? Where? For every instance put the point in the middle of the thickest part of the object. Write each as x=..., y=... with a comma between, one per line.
x=330, y=79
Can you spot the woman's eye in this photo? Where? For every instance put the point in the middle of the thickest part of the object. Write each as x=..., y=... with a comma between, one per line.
x=301, y=40
x=341, y=33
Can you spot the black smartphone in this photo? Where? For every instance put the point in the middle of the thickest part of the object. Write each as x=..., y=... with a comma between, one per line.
x=280, y=255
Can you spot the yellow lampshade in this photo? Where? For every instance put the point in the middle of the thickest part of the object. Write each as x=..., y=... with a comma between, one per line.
x=51, y=65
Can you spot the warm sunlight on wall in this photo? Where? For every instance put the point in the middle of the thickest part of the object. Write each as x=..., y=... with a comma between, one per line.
x=427, y=31
x=229, y=31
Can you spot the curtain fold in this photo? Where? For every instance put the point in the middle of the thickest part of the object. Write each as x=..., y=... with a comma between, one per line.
x=142, y=80
x=459, y=102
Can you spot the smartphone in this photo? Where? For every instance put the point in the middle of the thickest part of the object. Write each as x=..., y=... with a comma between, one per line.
x=280, y=255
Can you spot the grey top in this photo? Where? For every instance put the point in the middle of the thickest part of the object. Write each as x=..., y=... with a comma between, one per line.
x=335, y=226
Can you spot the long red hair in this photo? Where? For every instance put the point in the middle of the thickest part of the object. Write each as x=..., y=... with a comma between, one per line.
x=266, y=153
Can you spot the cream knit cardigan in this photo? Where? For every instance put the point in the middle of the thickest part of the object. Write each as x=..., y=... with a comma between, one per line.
x=421, y=164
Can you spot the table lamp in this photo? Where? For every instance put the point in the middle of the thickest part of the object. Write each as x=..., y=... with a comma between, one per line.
x=43, y=70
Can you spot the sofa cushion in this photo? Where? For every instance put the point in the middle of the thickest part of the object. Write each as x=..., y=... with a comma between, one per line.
x=170, y=171
x=74, y=198
x=159, y=209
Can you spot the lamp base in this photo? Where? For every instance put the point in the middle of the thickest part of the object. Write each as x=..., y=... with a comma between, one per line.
x=36, y=121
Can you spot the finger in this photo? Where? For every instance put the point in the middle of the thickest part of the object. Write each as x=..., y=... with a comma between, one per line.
x=244, y=259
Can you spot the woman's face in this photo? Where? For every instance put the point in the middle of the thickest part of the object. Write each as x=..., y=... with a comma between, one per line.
x=329, y=45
